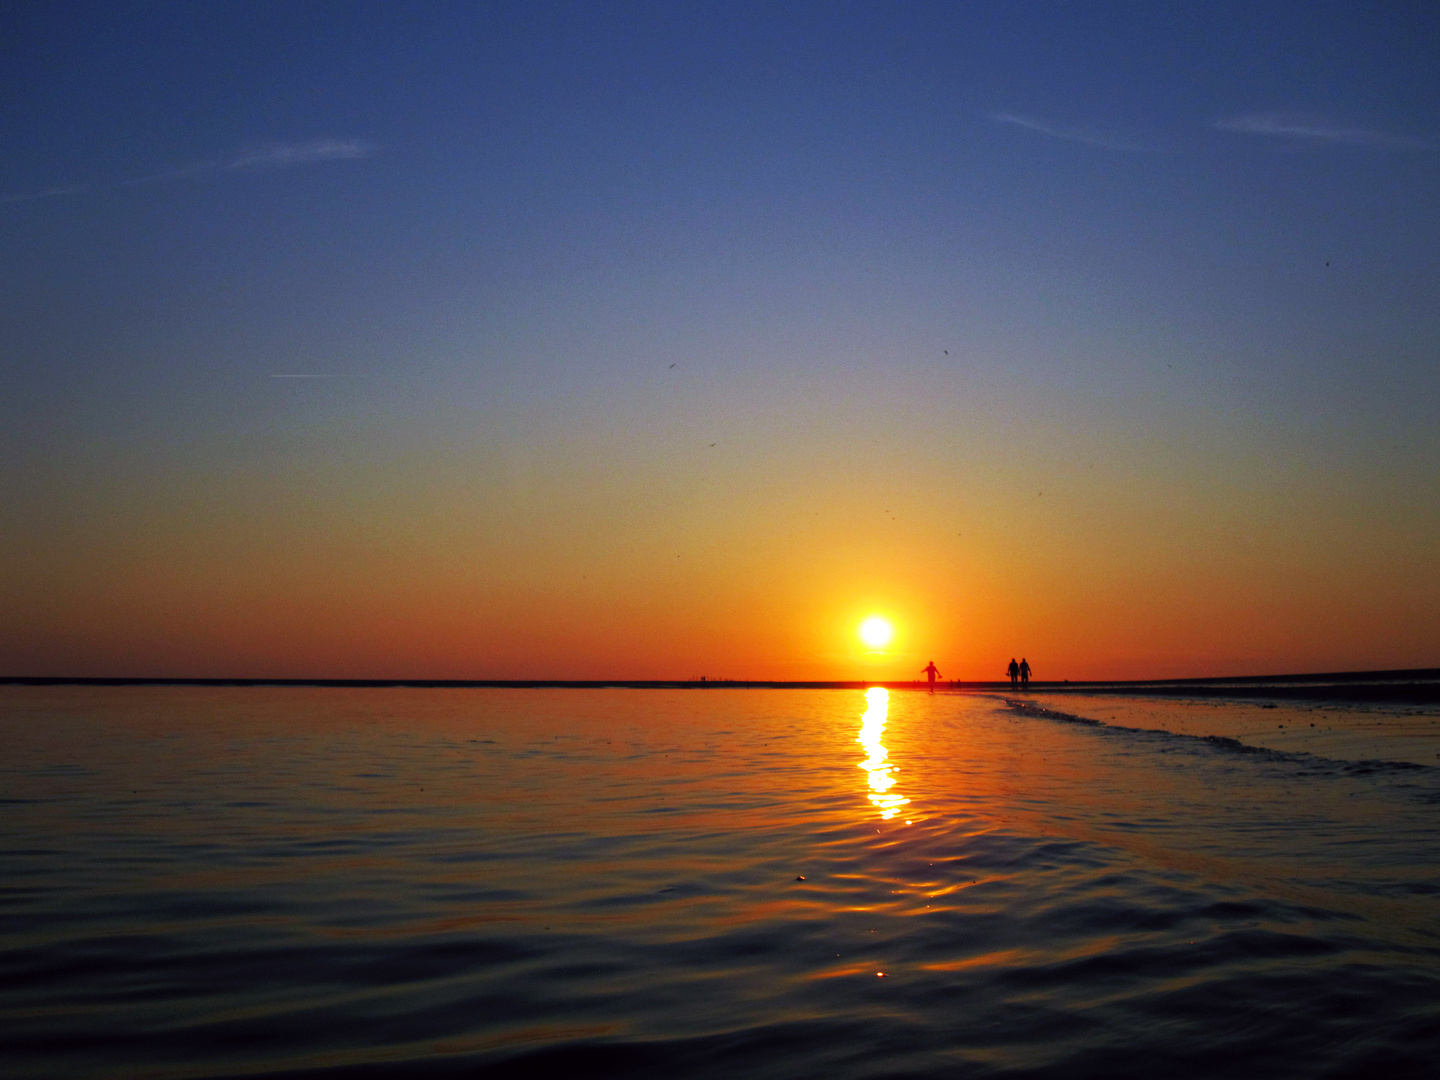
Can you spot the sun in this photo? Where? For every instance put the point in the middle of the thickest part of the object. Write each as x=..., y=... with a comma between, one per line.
x=876, y=632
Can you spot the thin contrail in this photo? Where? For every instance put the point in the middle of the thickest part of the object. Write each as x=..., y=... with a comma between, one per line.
x=1079, y=135
x=1298, y=127
x=47, y=193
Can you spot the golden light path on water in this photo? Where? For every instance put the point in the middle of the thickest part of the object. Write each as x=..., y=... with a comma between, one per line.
x=882, y=779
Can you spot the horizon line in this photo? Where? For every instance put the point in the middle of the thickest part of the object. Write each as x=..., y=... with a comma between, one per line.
x=1385, y=675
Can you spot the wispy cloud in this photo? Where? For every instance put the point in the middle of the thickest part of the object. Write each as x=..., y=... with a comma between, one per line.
x=47, y=193
x=1087, y=136
x=268, y=156
x=1315, y=131
x=262, y=156
x=284, y=155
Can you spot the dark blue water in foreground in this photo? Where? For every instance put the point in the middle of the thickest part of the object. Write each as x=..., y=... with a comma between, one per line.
x=376, y=883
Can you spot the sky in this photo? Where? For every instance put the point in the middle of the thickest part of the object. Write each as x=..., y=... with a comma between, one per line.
x=653, y=340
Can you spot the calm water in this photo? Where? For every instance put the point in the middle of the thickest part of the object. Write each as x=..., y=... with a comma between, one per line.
x=374, y=883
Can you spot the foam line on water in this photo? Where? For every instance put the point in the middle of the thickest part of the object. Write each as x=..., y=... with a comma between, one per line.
x=1227, y=744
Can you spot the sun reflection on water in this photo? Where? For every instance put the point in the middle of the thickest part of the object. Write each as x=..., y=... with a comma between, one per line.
x=882, y=779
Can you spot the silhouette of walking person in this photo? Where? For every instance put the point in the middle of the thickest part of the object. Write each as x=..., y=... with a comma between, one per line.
x=1014, y=672
x=932, y=673
x=1024, y=673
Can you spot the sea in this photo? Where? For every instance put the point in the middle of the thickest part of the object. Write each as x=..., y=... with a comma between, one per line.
x=328, y=882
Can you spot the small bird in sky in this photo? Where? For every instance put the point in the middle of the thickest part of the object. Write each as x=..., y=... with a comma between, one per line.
x=672, y=365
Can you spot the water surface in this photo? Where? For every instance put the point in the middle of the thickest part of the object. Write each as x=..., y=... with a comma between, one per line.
x=203, y=882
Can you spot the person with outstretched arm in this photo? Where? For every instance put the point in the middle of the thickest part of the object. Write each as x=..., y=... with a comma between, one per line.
x=931, y=672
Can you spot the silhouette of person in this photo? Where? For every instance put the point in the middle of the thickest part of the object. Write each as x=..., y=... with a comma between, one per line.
x=1014, y=672
x=932, y=673
x=1025, y=673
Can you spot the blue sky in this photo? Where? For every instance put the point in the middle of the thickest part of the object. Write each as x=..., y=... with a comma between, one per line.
x=318, y=256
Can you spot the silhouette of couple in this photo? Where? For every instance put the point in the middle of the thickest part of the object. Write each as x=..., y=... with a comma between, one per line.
x=1019, y=674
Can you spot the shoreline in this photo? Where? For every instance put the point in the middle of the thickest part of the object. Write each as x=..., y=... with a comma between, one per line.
x=1407, y=686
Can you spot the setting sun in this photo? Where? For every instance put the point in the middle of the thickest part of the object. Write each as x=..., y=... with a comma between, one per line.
x=876, y=632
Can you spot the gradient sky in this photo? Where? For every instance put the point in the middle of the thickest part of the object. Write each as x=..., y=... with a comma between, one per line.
x=657, y=340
